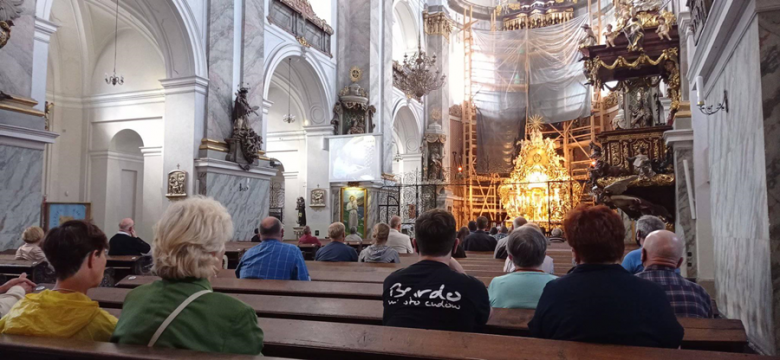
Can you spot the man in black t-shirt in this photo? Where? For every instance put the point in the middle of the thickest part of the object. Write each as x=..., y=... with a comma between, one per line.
x=435, y=293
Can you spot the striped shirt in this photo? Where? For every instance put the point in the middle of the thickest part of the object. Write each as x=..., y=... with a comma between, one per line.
x=688, y=299
x=273, y=260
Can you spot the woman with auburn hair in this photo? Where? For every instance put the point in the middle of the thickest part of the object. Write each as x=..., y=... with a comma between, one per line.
x=189, y=241
x=599, y=301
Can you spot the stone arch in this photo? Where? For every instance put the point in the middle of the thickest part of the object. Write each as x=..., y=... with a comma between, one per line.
x=173, y=26
x=307, y=67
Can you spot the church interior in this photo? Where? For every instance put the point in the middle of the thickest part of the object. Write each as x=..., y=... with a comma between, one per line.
x=297, y=118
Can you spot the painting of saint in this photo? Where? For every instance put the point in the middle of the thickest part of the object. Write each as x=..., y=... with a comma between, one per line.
x=353, y=209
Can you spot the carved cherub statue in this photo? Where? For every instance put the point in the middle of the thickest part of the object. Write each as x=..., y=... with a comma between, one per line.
x=588, y=38
x=663, y=29
x=610, y=36
x=642, y=164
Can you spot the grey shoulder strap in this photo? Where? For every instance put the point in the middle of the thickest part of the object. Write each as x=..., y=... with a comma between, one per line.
x=174, y=314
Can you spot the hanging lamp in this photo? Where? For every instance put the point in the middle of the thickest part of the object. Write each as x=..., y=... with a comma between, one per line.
x=289, y=118
x=113, y=79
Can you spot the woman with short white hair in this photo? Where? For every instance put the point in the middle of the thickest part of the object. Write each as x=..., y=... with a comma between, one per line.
x=181, y=311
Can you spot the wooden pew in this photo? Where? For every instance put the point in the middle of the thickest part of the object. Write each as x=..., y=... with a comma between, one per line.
x=36, y=271
x=235, y=249
x=34, y=348
x=325, y=340
x=279, y=287
x=376, y=277
x=710, y=334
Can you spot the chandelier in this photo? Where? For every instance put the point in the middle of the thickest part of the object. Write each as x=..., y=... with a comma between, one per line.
x=539, y=188
x=418, y=74
x=113, y=79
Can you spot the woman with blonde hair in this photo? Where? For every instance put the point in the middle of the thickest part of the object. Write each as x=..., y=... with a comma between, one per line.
x=379, y=252
x=189, y=241
x=31, y=250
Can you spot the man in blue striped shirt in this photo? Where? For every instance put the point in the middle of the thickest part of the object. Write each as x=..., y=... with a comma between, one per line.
x=272, y=259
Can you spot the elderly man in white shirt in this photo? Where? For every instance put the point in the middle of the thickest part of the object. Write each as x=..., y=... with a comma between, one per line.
x=396, y=240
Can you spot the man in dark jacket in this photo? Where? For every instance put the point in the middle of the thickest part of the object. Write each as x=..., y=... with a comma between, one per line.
x=480, y=240
x=125, y=242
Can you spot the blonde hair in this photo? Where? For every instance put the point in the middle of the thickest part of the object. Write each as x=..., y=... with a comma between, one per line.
x=188, y=235
x=32, y=234
x=336, y=231
x=381, y=232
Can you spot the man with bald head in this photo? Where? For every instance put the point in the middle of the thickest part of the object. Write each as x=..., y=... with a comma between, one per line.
x=662, y=255
x=125, y=242
x=272, y=259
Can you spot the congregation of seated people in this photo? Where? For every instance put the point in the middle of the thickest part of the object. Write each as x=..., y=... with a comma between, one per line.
x=181, y=310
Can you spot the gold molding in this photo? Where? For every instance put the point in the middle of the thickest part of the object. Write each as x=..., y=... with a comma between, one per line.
x=685, y=110
x=221, y=146
x=437, y=24
x=19, y=104
x=22, y=110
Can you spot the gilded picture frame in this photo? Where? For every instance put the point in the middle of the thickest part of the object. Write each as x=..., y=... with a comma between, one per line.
x=353, y=209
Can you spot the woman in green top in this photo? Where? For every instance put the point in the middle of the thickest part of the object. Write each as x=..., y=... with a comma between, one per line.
x=180, y=311
x=522, y=288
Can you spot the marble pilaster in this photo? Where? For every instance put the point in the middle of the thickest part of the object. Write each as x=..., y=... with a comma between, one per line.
x=438, y=101
x=245, y=194
x=384, y=105
x=353, y=40
x=21, y=171
x=253, y=58
x=681, y=141
x=220, y=58
x=769, y=46
x=17, y=55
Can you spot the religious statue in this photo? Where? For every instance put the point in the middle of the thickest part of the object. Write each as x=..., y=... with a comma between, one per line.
x=635, y=207
x=357, y=126
x=9, y=10
x=317, y=198
x=176, y=183
x=48, y=111
x=588, y=38
x=663, y=29
x=337, y=112
x=641, y=116
x=619, y=121
x=242, y=109
x=243, y=137
x=635, y=33
x=600, y=168
x=610, y=36
x=642, y=164
x=300, y=205
x=673, y=85
x=435, y=168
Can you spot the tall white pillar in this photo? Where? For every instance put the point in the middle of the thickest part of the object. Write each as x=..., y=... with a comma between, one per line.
x=153, y=190
x=43, y=31
x=184, y=119
x=317, y=161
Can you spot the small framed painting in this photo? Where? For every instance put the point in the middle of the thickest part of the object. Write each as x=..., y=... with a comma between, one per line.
x=56, y=213
x=353, y=209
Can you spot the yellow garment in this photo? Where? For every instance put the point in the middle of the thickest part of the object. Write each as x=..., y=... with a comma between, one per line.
x=63, y=315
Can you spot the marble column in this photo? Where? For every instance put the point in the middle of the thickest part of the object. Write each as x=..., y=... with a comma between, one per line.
x=17, y=55
x=22, y=134
x=364, y=39
x=437, y=102
x=769, y=46
x=253, y=58
x=220, y=58
x=681, y=141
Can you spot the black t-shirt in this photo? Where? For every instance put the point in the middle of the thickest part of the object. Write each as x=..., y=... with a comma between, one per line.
x=606, y=304
x=429, y=295
x=479, y=241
